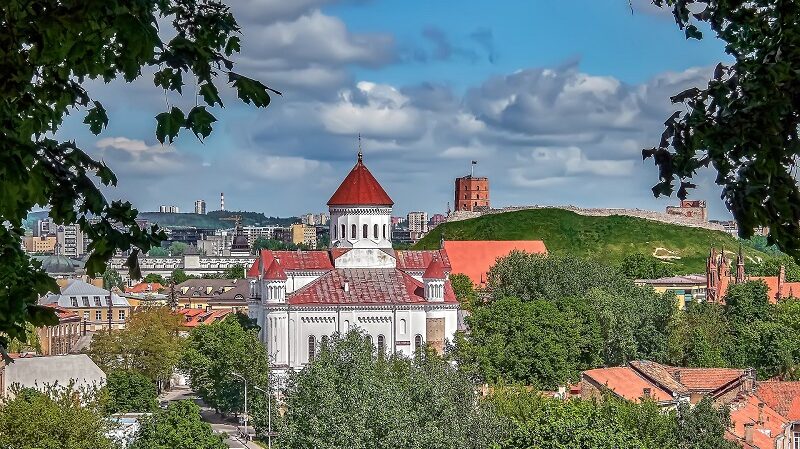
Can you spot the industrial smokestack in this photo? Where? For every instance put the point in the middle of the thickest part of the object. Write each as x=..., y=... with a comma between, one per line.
x=222, y=201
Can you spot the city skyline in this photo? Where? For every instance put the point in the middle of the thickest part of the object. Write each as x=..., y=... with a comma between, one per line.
x=550, y=121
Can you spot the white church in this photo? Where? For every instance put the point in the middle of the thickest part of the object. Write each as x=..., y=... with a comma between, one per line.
x=401, y=299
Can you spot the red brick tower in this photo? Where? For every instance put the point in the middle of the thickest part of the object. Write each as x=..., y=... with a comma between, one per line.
x=472, y=193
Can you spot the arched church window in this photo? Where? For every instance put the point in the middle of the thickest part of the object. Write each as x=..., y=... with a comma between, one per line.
x=353, y=232
x=375, y=231
x=381, y=344
x=369, y=337
x=334, y=232
x=365, y=231
x=403, y=328
x=344, y=234
x=312, y=347
x=417, y=342
x=384, y=231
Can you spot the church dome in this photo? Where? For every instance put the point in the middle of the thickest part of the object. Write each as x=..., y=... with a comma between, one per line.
x=360, y=188
x=240, y=243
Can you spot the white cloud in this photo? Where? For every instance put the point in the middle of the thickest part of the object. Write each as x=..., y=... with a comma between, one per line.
x=377, y=110
x=281, y=168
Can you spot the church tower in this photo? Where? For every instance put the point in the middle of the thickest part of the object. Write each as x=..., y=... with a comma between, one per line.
x=360, y=211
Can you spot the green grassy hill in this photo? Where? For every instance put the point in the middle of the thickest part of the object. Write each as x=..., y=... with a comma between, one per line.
x=606, y=238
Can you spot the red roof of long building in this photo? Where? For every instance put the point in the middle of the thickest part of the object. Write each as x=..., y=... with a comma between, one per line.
x=475, y=258
x=360, y=188
x=293, y=261
x=626, y=383
x=365, y=286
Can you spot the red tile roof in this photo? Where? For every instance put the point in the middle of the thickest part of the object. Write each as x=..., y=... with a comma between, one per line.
x=706, y=379
x=475, y=258
x=408, y=260
x=746, y=410
x=434, y=270
x=196, y=317
x=365, y=286
x=293, y=261
x=360, y=188
x=62, y=313
x=626, y=383
x=275, y=271
x=784, y=397
x=144, y=287
x=659, y=374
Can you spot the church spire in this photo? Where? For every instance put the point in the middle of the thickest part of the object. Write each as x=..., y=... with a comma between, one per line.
x=360, y=154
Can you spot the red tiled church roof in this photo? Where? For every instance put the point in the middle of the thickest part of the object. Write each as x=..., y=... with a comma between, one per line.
x=360, y=188
x=275, y=271
x=434, y=270
x=365, y=286
x=475, y=258
x=419, y=260
x=293, y=261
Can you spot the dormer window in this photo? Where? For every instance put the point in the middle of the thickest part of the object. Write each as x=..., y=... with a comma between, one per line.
x=74, y=301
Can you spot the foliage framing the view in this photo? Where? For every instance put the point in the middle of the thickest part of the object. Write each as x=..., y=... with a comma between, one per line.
x=48, y=50
x=745, y=121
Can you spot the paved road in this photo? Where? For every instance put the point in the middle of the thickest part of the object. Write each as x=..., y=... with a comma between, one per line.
x=226, y=427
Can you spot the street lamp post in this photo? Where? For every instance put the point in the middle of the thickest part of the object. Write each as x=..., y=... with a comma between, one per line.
x=269, y=415
x=246, y=430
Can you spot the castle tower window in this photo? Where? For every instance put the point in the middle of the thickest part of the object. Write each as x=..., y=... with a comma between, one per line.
x=353, y=232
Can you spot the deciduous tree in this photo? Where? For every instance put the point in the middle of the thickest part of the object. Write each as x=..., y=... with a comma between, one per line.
x=350, y=396
x=57, y=418
x=745, y=122
x=130, y=392
x=214, y=352
x=49, y=51
x=180, y=426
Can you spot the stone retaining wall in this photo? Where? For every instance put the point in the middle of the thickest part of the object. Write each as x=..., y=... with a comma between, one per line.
x=599, y=212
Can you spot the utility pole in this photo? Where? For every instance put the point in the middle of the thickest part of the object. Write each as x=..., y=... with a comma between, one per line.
x=269, y=412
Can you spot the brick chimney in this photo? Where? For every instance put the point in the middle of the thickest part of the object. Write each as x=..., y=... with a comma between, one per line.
x=748, y=432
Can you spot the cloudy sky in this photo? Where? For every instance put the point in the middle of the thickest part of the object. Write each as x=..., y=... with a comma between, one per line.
x=554, y=98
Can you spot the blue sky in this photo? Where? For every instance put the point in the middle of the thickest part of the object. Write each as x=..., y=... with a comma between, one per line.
x=555, y=99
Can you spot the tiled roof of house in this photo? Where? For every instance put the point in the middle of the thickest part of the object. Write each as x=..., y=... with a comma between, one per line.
x=659, y=374
x=784, y=397
x=144, y=287
x=706, y=379
x=626, y=383
x=62, y=313
x=418, y=260
x=360, y=188
x=365, y=286
x=219, y=289
x=196, y=317
x=475, y=258
x=748, y=409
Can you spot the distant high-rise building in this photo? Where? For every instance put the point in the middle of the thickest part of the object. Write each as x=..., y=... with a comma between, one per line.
x=200, y=207
x=169, y=209
x=71, y=241
x=308, y=219
x=43, y=228
x=472, y=193
x=222, y=201
x=304, y=234
x=418, y=222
